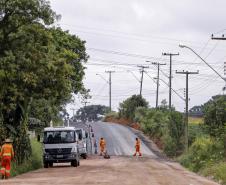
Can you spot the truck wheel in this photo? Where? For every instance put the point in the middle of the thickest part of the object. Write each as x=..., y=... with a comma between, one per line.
x=84, y=156
x=74, y=163
x=51, y=164
x=46, y=165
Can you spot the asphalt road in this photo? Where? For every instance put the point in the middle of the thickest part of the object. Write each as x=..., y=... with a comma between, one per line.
x=119, y=139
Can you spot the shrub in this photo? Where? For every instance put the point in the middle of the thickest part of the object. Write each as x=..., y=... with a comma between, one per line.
x=215, y=115
x=140, y=114
x=202, y=152
x=170, y=146
x=111, y=116
x=127, y=108
x=33, y=163
x=194, y=131
x=154, y=123
x=174, y=136
x=217, y=171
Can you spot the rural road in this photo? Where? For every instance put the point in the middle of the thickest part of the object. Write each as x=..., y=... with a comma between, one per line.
x=121, y=169
x=120, y=140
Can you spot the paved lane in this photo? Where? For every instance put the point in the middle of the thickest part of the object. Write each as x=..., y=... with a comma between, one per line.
x=120, y=140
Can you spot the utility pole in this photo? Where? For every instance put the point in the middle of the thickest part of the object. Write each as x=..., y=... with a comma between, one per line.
x=186, y=107
x=221, y=38
x=157, y=90
x=110, y=83
x=170, y=76
x=142, y=77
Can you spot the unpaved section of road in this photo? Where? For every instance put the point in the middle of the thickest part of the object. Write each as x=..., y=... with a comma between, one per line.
x=115, y=171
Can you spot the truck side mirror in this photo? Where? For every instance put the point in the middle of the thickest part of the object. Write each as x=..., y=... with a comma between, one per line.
x=38, y=138
x=80, y=136
x=86, y=135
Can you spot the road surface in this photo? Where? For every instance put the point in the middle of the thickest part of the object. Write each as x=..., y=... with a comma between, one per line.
x=121, y=169
x=120, y=140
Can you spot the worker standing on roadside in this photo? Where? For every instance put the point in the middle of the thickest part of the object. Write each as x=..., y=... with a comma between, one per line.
x=102, y=146
x=137, y=147
x=6, y=155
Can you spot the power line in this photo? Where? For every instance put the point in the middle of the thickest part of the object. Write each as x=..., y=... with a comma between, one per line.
x=167, y=85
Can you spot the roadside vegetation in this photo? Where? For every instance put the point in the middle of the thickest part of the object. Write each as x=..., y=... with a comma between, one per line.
x=207, y=135
x=41, y=67
x=32, y=163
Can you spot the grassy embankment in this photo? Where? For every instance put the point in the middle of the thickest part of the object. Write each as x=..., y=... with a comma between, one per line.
x=35, y=161
x=206, y=154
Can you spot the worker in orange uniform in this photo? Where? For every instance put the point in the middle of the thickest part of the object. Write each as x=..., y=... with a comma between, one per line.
x=137, y=147
x=6, y=155
x=102, y=146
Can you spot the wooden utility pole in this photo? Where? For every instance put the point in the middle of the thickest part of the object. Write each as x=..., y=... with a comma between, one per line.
x=170, y=76
x=186, y=107
x=157, y=89
x=142, y=77
x=110, y=83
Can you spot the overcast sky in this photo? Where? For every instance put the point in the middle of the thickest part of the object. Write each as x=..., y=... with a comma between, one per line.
x=146, y=28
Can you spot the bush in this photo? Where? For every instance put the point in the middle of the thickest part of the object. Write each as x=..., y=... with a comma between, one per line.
x=140, y=114
x=194, y=131
x=203, y=152
x=128, y=107
x=111, y=116
x=170, y=146
x=33, y=163
x=215, y=115
x=217, y=171
x=154, y=123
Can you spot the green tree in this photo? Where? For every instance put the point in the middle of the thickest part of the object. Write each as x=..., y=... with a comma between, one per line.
x=215, y=115
x=91, y=113
x=127, y=108
x=174, y=137
x=37, y=61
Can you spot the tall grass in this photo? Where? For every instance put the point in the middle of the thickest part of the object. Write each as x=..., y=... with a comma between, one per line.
x=35, y=161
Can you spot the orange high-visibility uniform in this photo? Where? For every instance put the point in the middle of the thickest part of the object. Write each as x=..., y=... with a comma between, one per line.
x=137, y=147
x=102, y=145
x=6, y=155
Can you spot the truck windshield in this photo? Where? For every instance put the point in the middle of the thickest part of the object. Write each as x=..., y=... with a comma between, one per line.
x=53, y=137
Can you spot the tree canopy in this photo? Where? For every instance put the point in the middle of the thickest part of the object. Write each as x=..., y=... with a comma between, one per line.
x=91, y=113
x=40, y=65
x=127, y=108
x=215, y=115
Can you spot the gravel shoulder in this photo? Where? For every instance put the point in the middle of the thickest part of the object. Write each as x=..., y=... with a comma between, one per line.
x=117, y=170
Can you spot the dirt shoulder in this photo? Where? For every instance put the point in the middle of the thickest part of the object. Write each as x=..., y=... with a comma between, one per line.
x=117, y=170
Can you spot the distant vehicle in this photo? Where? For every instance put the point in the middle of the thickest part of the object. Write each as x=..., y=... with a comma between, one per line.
x=82, y=142
x=60, y=145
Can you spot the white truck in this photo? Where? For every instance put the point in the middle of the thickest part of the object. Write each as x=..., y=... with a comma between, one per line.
x=60, y=145
x=82, y=142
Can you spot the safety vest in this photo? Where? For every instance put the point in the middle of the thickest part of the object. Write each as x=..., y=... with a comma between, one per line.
x=137, y=143
x=102, y=143
x=7, y=150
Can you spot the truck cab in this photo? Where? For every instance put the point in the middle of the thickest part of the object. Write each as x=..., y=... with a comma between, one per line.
x=82, y=142
x=60, y=145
